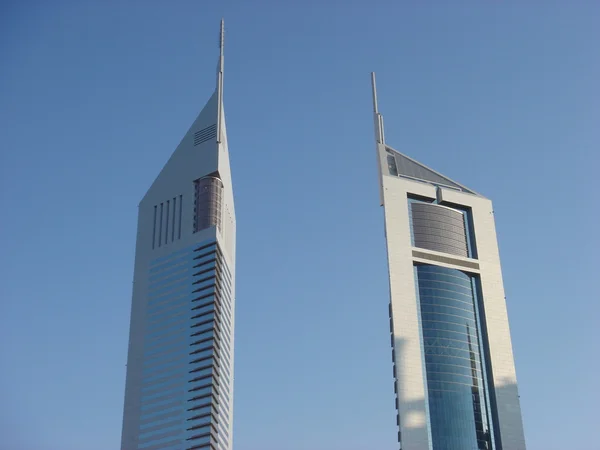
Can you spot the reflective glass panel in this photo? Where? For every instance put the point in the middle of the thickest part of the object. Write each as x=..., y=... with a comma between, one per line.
x=458, y=411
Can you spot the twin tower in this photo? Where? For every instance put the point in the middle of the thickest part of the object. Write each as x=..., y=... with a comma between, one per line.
x=454, y=376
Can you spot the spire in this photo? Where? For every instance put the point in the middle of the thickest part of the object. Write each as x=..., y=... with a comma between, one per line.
x=220, y=82
x=379, y=138
x=378, y=118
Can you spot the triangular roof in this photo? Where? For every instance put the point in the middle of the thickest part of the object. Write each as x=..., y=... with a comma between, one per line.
x=204, y=146
x=398, y=164
x=408, y=167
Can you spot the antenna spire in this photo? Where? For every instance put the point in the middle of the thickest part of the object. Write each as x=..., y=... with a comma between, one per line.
x=221, y=45
x=220, y=81
x=379, y=137
x=378, y=118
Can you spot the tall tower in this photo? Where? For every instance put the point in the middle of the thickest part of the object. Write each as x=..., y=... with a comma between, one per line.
x=454, y=373
x=179, y=387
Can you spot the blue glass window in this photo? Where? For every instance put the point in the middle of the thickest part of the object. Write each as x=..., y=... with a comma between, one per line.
x=459, y=415
x=189, y=309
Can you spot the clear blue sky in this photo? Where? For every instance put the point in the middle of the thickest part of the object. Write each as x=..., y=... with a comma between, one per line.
x=94, y=97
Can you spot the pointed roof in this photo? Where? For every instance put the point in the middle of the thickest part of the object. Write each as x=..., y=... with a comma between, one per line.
x=203, y=149
x=409, y=168
x=404, y=165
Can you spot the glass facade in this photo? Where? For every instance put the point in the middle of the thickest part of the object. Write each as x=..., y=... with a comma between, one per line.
x=187, y=375
x=459, y=413
x=439, y=228
x=208, y=203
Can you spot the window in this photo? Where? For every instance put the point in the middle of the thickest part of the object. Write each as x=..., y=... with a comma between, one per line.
x=459, y=412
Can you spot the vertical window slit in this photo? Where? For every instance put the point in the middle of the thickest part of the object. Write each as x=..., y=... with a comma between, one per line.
x=154, y=229
x=167, y=223
x=173, y=221
x=160, y=225
x=180, y=208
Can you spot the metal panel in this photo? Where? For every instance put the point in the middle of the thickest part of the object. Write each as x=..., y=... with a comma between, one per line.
x=439, y=228
x=407, y=167
x=443, y=259
x=208, y=203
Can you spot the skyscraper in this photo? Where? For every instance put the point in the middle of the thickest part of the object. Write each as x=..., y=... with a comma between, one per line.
x=454, y=373
x=179, y=386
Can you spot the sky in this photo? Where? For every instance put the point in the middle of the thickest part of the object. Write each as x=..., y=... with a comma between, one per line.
x=95, y=95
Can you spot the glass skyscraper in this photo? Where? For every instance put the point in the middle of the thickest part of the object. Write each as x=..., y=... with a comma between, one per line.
x=179, y=386
x=453, y=367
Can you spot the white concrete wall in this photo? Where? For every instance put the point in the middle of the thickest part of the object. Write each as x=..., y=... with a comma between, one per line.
x=410, y=376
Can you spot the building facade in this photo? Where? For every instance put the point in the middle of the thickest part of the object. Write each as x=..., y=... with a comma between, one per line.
x=453, y=366
x=179, y=384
